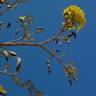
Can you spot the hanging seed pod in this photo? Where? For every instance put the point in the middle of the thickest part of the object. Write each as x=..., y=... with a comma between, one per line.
x=49, y=68
x=48, y=61
x=12, y=53
x=60, y=43
x=18, y=64
x=18, y=61
x=39, y=29
x=6, y=55
x=48, y=64
x=18, y=68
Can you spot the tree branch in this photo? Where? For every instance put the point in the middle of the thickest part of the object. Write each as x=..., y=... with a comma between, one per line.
x=36, y=45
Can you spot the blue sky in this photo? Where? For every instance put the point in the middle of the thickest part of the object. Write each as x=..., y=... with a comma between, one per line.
x=48, y=14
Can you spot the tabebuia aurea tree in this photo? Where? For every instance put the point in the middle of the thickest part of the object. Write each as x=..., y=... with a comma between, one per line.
x=74, y=21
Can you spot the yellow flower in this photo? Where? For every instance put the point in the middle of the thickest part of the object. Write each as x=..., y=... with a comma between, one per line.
x=2, y=90
x=70, y=69
x=22, y=18
x=74, y=17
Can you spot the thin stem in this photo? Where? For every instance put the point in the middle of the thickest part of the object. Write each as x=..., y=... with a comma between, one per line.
x=18, y=44
x=53, y=54
x=4, y=11
x=33, y=44
x=16, y=40
x=8, y=74
x=51, y=39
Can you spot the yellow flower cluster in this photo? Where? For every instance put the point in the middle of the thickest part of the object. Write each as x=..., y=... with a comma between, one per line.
x=2, y=90
x=72, y=70
x=74, y=18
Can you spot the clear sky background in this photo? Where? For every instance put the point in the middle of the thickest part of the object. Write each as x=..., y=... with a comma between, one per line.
x=48, y=14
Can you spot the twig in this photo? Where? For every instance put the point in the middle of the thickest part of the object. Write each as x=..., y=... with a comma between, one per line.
x=33, y=44
x=16, y=40
x=53, y=54
x=8, y=74
x=51, y=39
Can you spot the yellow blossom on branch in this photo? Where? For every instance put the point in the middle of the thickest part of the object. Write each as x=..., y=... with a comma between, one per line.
x=74, y=18
x=2, y=90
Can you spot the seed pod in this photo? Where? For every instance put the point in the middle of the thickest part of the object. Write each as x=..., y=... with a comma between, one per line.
x=49, y=68
x=18, y=64
x=39, y=29
x=48, y=61
x=6, y=54
x=60, y=43
x=12, y=53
